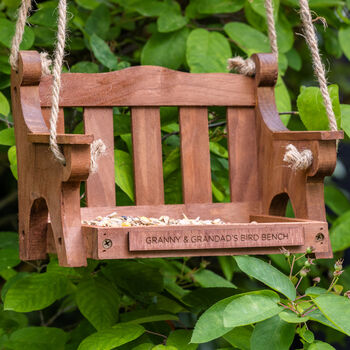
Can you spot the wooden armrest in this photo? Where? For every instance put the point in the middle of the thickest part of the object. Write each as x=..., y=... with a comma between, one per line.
x=62, y=139
x=308, y=135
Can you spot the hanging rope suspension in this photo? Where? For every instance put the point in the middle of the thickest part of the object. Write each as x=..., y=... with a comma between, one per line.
x=98, y=148
x=297, y=160
x=56, y=79
x=319, y=70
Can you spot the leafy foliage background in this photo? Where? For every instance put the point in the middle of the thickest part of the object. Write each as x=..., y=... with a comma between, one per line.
x=156, y=303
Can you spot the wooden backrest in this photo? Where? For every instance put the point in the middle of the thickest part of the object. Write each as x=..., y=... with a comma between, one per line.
x=145, y=89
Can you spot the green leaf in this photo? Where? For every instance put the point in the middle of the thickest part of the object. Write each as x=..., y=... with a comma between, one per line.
x=345, y=118
x=275, y=332
x=11, y=282
x=218, y=149
x=4, y=105
x=240, y=337
x=36, y=291
x=124, y=176
x=8, y=258
x=85, y=67
x=320, y=345
x=315, y=291
x=170, y=22
x=111, y=338
x=227, y=264
x=291, y=317
x=252, y=308
x=134, y=277
x=38, y=338
x=145, y=316
x=336, y=200
x=164, y=347
x=219, y=6
x=211, y=323
x=180, y=339
x=283, y=102
x=8, y=240
x=247, y=38
x=46, y=17
x=259, y=7
x=325, y=3
x=99, y=21
x=306, y=334
x=266, y=274
x=145, y=8
x=145, y=346
x=343, y=36
x=103, y=53
x=7, y=136
x=317, y=316
x=339, y=233
x=336, y=309
x=294, y=59
x=10, y=321
x=171, y=162
x=332, y=43
x=312, y=110
x=5, y=65
x=70, y=272
x=98, y=301
x=203, y=298
x=8, y=31
x=207, y=51
x=12, y=156
x=285, y=34
x=171, y=18
x=166, y=49
x=209, y=279
x=88, y=4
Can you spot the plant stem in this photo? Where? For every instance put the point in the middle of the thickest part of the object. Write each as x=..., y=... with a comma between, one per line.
x=307, y=313
x=155, y=333
x=291, y=268
x=296, y=287
x=333, y=283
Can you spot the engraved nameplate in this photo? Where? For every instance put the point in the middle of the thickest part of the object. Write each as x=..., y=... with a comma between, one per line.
x=229, y=236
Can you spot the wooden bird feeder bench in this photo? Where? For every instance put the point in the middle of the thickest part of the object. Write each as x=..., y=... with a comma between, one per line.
x=261, y=183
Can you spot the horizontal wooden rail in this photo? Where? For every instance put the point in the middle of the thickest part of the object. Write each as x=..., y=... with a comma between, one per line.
x=151, y=86
x=64, y=139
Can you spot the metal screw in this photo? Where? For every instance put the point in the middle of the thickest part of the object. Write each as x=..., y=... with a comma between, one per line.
x=107, y=243
x=319, y=237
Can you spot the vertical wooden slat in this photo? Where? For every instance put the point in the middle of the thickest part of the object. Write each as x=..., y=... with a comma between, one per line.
x=46, y=112
x=195, y=155
x=100, y=186
x=242, y=148
x=147, y=155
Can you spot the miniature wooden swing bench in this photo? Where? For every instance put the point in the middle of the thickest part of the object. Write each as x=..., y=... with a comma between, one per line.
x=261, y=183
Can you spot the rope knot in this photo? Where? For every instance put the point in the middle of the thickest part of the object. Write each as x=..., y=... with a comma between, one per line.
x=97, y=150
x=298, y=160
x=241, y=65
x=46, y=63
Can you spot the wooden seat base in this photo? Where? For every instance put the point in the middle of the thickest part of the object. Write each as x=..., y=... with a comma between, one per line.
x=260, y=234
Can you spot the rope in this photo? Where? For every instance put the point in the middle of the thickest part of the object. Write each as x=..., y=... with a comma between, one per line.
x=297, y=160
x=319, y=70
x=56, y=80
x=271, y=27
x=247, y=66
x=241, y=65
x=20, y=25
x=97, y=148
